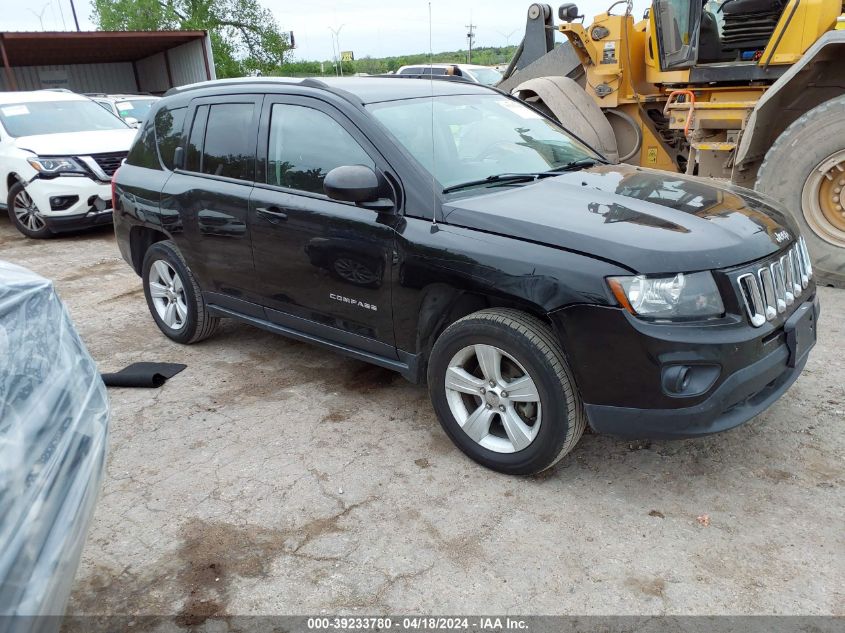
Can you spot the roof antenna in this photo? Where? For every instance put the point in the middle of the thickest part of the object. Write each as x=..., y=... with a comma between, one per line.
x=433, y=153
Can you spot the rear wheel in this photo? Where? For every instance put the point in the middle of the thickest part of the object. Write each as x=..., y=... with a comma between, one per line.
x=805, y=170
x=503, y=392
x=24, y=213
x=173, y=295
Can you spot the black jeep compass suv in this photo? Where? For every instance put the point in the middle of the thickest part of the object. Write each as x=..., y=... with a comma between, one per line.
x=456, y=235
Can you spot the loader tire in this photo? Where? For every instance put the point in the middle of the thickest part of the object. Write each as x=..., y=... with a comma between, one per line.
x=805, y=170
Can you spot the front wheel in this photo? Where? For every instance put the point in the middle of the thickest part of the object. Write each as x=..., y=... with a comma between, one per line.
x=24, y=213
x=504, y=393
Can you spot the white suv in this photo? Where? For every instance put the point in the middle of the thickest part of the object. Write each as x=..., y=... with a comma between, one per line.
x=131, y=108
x=58, y=152
x=470, y=72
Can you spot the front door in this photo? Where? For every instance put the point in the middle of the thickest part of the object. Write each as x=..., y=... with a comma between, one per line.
x=323, y=267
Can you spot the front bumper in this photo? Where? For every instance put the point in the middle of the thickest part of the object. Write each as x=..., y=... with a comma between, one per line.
x=92, y=207
x=755, y=368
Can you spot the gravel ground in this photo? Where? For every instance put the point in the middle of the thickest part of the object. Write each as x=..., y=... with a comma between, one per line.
x=271, y=477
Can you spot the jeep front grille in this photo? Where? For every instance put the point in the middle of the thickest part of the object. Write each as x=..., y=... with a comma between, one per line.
x=776, y=284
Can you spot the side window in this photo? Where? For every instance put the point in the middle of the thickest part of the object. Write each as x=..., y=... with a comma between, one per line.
x=229, y=148
x=168, y=131
x=193, y=152
x=143, y=151
x=305, y=145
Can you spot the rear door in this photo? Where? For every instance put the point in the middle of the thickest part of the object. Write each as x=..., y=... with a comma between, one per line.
x=207, y=198
x=323, y=266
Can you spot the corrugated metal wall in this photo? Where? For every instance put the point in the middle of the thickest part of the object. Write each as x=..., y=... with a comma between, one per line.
x=187, y=66
x=81, y=77
x=186, y=63
x=152, y=74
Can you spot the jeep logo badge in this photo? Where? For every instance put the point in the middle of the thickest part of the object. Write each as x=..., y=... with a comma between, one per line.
x=781, y=236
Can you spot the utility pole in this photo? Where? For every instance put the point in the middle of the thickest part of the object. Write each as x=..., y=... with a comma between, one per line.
x=75, y=19
x=470, y=39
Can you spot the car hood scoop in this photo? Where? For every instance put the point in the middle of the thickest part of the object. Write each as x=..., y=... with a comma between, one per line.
x=649, y=221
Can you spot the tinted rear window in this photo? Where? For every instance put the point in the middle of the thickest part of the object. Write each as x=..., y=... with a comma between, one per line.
x=194, y=150
x=168, y=129
x=229, y=148
x=143, y=152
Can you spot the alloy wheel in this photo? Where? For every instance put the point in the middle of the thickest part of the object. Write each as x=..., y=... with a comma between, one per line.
x=27, y=213
x=168, y=294
x=493, y=398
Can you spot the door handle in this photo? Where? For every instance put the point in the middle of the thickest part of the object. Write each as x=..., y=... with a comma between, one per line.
x=274, y=214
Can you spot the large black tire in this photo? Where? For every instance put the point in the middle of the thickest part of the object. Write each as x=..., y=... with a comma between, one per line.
x=790, y=162
x=194, y=322
x=531, y=343
x=31, y=224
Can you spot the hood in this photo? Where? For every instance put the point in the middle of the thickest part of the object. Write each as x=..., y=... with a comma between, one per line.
x=648, y=221
x=78, y=143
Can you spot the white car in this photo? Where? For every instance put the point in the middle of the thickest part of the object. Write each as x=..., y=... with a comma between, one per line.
x=476, y=74
x=131, y=108
x=58, y=152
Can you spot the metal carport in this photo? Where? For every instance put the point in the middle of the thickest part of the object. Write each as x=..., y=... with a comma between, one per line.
x=105, y=61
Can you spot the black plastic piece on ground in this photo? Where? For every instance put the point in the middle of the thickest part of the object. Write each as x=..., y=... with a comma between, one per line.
x=143, y=375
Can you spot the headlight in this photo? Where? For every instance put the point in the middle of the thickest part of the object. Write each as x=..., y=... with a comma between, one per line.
x=680, y=296
x=55, y=166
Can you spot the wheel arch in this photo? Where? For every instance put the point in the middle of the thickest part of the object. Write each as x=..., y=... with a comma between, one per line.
x=818, y=77
x=11, y=179
x=443, y=304
x=140, y=240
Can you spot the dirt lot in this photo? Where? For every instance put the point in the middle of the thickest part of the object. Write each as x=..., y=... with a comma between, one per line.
x=273, y=477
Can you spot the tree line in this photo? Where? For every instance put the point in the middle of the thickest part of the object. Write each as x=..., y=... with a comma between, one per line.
x=484, y=56
x=247, y=40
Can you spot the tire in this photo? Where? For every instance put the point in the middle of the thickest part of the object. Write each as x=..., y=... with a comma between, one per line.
x=792, y=162
x=173, y=295
x=529, y=349
x=26, y=219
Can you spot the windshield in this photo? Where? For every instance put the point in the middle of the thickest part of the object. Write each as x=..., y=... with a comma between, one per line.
x=487, y=76
x=57, y=117
x=477, y=136
x=135, y=108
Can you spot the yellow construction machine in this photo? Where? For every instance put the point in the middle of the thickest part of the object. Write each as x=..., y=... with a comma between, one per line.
x=747, y=90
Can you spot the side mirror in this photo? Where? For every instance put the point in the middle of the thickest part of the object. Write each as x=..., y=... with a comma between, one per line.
x=358, y=184
x=647, y=13
x=178, y=158
x=568, y=12
x=131, y=121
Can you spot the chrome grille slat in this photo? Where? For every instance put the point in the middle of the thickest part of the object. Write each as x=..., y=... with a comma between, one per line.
x=767, y=288
x=780, y=285
x=750, y=291
x=788, y=273
x=768, y=291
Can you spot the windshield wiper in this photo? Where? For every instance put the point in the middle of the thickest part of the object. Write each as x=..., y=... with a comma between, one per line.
x=573, y=165
x=494, y=179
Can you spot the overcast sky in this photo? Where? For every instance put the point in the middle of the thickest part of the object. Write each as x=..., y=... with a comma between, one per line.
x=367, y=27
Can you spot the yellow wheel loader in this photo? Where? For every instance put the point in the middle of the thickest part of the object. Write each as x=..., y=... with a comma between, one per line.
x=747, y=90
